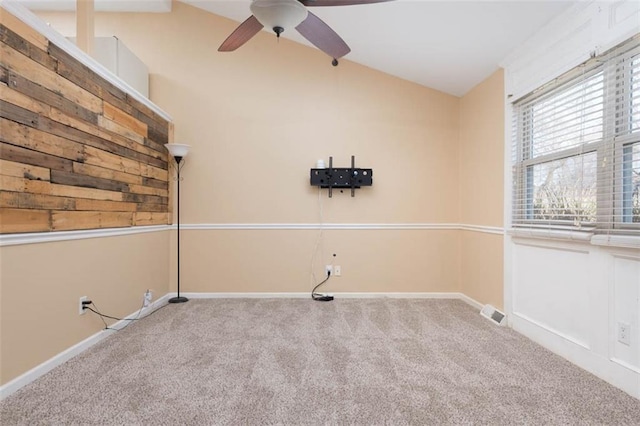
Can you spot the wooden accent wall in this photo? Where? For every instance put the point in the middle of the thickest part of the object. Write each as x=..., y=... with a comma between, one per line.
x=76, y=152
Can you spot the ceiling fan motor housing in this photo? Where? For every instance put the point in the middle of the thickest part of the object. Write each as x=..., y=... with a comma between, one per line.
x=281, y=14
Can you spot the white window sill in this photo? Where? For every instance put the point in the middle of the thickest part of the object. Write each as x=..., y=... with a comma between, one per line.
x=552, y=234
x=622, y=241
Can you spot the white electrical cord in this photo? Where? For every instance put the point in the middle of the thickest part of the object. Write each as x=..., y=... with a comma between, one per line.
x=319, y=239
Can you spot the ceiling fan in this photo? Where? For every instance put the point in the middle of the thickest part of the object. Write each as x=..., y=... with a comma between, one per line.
x=280, y=15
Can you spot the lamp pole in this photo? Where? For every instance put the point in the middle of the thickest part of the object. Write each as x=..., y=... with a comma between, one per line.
x=178, y=152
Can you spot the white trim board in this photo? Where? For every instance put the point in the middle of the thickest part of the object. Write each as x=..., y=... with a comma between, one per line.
x=38, y=371
x=337, y=295
x=344, y=226
x=46, y=237
x=42, y=369
x=613, y=371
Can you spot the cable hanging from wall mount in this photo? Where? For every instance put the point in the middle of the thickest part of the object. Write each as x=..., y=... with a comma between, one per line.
x=319, y=296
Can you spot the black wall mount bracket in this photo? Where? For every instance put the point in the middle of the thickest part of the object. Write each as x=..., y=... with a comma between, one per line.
x=342, y=178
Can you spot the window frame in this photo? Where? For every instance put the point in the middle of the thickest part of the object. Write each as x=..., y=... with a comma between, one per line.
x=612, y=174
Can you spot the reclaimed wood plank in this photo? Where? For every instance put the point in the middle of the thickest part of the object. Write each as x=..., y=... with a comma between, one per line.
x=28, y=156
x=102, y=205
x=73, y=179
x=116, y=219
x=157, y=130
x=74, y=146
x=101, y=172
x=85, y=77
x=24, y=220
x=67, y=220
x=156, y=146
x=59, y=129
x=143, y=112
x=155, y=183
x=150, y=218
x=12, y=168
x=19, y=99
x=61, y=117
x=17, y=184
x=98, y=157
x=114, y=127
x=12, y=183
x=4, y=74
x=124, y=119
x=18, y=114
x=50, y=98
x=144, y=199
x=88, y=80
x=27, y=137
x=141, y=189
x=21, y=200
x=151, y=207
x=27, y=48
x=75, y=191
x=157, y=137
x=31, y=70
x=171, y=188
x=24, y=30
x=147, y=170
x=170, y=133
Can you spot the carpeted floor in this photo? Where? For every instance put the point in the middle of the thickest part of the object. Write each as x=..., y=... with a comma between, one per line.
x=295, y=361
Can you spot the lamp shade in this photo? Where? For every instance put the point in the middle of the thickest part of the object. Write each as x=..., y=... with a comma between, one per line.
x=279, y=13
x=177, y=150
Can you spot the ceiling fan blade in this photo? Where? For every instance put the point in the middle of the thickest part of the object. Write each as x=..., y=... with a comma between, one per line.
x=241, y=35
x=311, y=3
x=323, y=37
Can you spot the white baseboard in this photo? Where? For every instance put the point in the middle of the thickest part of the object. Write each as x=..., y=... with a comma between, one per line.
x=259, y=295
x=609, y=370
x=470, y=301
x=64, y=356
x=344, y=295
x=36, y=372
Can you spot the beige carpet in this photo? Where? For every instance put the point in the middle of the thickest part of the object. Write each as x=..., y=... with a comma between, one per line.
x=295, y=361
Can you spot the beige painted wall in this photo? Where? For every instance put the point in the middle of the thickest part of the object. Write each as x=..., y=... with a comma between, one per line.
x=258, y=119
x=481, y=267
x=481, y=151
x=280, y=261
x=481, y=181
x=41, y=284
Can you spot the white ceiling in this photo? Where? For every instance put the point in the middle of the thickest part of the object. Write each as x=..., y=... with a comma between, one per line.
x=446, y=45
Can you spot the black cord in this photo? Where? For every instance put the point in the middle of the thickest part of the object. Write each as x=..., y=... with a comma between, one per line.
x=103, y=316
x=106, y=327
x=319, y=296
x=108, y=316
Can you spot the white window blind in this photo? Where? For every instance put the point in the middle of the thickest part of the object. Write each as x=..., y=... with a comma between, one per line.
x=576, y=148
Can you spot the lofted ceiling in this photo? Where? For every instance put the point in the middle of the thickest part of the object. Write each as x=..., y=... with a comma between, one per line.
x=447, y=45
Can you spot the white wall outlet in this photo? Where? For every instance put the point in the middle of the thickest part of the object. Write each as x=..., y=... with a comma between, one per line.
x=624, y=333
x=81, y=309
x=328, y=269
x=337, y=270
x=148, y=296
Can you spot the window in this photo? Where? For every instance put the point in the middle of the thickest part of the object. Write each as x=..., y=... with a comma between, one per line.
x=576, y=148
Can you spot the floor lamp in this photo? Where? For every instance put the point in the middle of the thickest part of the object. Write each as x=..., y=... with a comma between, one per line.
x=178, y=152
